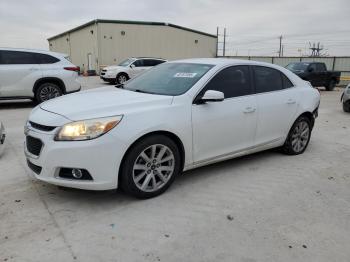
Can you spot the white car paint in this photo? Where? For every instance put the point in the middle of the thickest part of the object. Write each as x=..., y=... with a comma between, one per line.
x=110, y=73
x=209, y=132
x=19, y=80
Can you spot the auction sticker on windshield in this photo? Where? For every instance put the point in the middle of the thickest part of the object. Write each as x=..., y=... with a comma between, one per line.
x=185, y=75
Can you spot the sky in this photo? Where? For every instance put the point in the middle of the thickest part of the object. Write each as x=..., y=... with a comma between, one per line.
x=253, y=26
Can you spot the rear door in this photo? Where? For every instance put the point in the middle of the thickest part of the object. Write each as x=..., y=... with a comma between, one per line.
x=322, y=74
x=18, y=73
x=277, y=101
x=226, y=127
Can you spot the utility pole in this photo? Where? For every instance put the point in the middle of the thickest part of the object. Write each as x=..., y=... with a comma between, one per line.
x=280, y=51
x=224, y=48
x=217, y=41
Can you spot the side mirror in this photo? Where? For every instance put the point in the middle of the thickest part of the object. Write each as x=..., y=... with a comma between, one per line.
x=212, y=96
x=310, y=70
x=132, y=66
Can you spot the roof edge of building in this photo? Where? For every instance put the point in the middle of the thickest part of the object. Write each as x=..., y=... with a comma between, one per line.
x=106, y=21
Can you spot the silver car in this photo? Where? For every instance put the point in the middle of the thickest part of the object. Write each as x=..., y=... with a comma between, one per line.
x=345, y=98
x=2, y=138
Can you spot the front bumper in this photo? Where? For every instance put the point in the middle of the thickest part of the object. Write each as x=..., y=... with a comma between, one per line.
x=101, y=157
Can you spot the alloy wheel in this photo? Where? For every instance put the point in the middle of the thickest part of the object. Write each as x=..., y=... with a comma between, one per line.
x=122, y=79
x=153, y=168
x=48, y=92
x=300, y=136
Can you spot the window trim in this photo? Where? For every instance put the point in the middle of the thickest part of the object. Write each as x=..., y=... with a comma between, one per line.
x=197, y=97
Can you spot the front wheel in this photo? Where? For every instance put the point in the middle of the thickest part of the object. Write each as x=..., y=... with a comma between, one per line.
x=298, y=137
x=121, y=78
x=150, y=167
x=346, y=106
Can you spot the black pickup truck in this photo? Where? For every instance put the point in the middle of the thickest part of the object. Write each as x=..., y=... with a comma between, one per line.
x=316, y=73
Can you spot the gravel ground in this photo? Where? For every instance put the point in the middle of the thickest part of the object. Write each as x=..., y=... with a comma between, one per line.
x=262, y=207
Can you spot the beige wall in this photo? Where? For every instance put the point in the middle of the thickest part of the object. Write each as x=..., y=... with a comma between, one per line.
x=81, y=43
x=108, y=46
x=150, y=40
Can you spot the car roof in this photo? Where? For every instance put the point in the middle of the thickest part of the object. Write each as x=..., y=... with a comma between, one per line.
x=224, y=61
x=34, y=51
x=155, y=58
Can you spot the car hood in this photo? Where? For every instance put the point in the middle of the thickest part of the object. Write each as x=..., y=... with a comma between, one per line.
x=115, y=67
x=102, y=102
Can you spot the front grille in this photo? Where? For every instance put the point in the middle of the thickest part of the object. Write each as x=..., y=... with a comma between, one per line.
x=36, y=169
x=42, y=127
x=34, y=145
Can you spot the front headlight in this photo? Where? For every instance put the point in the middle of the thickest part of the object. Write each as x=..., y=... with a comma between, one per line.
x=87, y=129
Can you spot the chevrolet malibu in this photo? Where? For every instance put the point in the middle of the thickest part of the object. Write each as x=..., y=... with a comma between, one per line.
x=177, y=116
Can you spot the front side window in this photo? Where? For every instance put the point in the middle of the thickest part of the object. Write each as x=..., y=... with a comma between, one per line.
x=232, y=81
x=17, y=58
x=168, y=79
x=312, y=68
x=267, y=79
x=320, y=67
x=139, y=63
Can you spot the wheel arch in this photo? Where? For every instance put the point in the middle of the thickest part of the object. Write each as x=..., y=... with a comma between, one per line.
x=54, y=80
x=169, y=134
x=123, y=73
x=309, y=115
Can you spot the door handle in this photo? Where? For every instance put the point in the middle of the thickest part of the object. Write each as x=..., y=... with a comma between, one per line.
x=249, y=109
x=291, y=101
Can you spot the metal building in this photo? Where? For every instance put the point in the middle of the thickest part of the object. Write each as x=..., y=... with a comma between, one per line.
x=105, y=42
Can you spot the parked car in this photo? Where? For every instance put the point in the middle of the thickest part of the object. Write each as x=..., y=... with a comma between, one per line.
x=345, y=99
x=316, y=73
x=36, y=74
x=2, y=138
x=177, y=116
x=129, y=68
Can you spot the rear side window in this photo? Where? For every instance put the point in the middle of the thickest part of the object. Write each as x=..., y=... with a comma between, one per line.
x=267, y=79
x=320, y=67
x=232, y=81
x=45, y=59
x=16, y=58
x=286, y=82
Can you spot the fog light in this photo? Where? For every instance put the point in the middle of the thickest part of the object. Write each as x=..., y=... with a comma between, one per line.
x=76, y=173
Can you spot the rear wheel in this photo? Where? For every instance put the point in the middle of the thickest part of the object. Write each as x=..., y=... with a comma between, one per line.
x=150, y=167
x=298, y=137
x=331, y=85
x=47, y=91
x=346, y=106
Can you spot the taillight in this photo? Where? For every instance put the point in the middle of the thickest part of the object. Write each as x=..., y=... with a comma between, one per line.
x=73, y=68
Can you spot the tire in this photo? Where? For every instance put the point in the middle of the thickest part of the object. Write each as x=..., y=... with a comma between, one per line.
x=143, y=175
x=297, y=142
x=121, y=78
x=346, y=106
x=331, y=85
x=47, y=91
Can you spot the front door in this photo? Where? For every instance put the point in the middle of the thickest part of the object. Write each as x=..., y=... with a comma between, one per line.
x=226, y=127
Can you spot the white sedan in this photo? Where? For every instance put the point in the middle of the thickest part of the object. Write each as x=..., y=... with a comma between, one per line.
x=177, y=116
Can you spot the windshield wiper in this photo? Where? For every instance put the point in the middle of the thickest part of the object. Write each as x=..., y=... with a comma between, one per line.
x=145, y=92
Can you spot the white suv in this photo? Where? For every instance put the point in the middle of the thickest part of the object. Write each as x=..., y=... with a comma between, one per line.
x=129, y=68
x=36, y=74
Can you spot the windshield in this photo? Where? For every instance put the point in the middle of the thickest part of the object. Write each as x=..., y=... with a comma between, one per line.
x=168, y=79
x=297, y=66
x=126, y=62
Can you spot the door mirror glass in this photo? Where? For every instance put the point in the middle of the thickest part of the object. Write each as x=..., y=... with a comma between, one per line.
x=212, y=96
